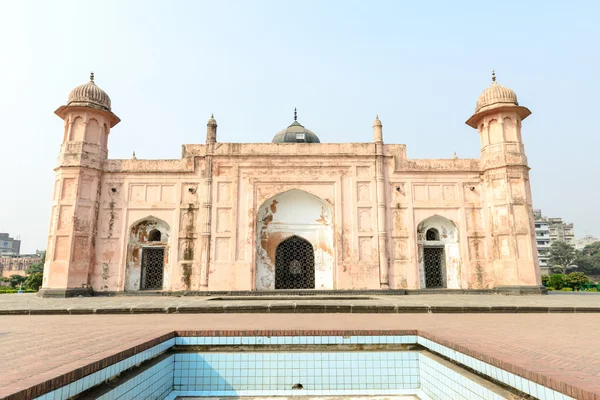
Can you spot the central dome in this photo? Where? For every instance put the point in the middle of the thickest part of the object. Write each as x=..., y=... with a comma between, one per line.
x=296, y=133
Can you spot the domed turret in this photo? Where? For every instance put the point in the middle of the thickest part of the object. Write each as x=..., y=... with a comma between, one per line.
x=495, y=95
x=296, y=133
x=493, y=98
x=89, y=95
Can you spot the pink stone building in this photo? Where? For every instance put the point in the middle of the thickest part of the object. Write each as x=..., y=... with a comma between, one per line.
x=291, y=214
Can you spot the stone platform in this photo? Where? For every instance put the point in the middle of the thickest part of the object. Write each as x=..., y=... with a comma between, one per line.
x=556, y=302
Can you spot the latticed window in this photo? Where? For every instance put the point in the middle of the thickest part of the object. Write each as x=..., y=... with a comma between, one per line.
x=295, y=264
x=434, y=276
x=153, y=266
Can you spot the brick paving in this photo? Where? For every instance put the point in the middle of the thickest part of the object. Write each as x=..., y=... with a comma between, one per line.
x=564, y=302
x=561, y=349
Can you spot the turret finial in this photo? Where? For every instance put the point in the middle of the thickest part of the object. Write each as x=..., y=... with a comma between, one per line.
x=454, y=156
x=493, y=76
x=295, y=114
x=92, y=76
x=133, y=156
x=212, y=116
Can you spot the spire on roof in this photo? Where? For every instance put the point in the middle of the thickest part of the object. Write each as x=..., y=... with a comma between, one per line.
x=295, y=114
x=92, y=76
x=493, y=76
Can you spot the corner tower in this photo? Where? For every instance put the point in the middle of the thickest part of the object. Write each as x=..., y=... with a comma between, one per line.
x=506, y=189
x=70, y=256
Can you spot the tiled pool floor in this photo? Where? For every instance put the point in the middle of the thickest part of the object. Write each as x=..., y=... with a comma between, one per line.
x=400, y=397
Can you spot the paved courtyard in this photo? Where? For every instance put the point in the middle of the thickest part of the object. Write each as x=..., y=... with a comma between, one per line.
x=560, y=302
x=558, y=348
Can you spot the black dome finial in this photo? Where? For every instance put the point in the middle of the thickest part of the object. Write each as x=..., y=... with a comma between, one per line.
x=295, y=114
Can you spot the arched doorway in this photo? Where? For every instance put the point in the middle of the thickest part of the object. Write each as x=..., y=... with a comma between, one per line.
x=295, y=264
x=147, y=255
x=303, y=219
x=439, y=258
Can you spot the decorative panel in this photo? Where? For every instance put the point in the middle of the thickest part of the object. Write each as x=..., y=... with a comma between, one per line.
x=68, y=189
x=420, y=192
x=137, y=193
x=516, y=189
x=365, y=248
x=65, y=217
x=449, y=192
x=504, y=248
x=86, y=191
x=400, y=249
x=476, y=249
x=223, y=192
x=153, y=193
x=83, y=218
x=499, y=189
x=474, y=221
x=61, y=249
x=399, y=217
x=81, y=250
x=167, y=193
x=363, y=171
x=222, y=249
x=223, y=220
x=435, y=193
x=524, y=247
x=364, y=220
x=521, y=217
x=364, y=191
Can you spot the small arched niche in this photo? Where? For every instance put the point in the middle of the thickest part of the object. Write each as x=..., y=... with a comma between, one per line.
x=439, y=253
x=147, y=255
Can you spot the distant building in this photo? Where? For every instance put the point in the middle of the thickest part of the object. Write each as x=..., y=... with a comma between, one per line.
x=547, y=231
x=17, y=265
x=585, y=241
x=8, y=245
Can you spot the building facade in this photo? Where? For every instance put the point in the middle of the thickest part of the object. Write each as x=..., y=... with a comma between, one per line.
x=17, y=265
x=9, y=245
x=550, y=230
x=585, y=241
x=294, y=213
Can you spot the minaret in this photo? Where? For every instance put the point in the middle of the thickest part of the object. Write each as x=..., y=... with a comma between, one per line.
x=71, y=243
x=211, y=139
x=506, y=190
x=211, y=130
x=381, y=205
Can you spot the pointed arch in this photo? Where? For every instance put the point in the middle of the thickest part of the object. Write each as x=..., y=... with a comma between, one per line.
x=439, y=253
x=292, y=213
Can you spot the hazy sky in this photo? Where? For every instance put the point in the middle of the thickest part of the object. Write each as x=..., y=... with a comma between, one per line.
x=420, y=64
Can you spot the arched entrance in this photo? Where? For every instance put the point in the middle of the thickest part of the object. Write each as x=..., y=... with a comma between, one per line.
x=292, y=226
x=295, y=264
x=439, y=258
x=147, y=255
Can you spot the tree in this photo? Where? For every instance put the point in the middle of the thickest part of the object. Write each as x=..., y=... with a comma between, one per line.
x=16, y=280
x=34, y=281
x=562, y=256
x=557, y=281
x=35, y=268
x=588, y=259
x=576, y=279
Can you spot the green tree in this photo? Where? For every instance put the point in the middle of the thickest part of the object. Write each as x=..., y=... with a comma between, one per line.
x=588, y=259
x=576, y=279
x=562, y=256
x=16, y=280
x=557, y=281
x=34, y=281
x=545, y=280
x=34, y=268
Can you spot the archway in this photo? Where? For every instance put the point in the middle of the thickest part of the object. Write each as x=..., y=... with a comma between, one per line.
x=147, y=255
x=303, y=219
x=295, y=264
x=439, y=256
